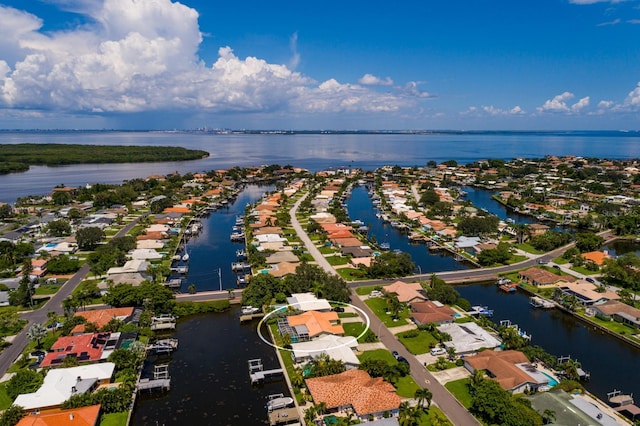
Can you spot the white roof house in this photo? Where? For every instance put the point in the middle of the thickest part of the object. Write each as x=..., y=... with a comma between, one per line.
x=308, y=302
x=468, y=337
x=62, y=383
x=145, y=254
x=339, y=348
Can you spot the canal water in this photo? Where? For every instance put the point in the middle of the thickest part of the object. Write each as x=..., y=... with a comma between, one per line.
x=210, y=252
x=210, y=377
x=361, y=208
x=483, y=199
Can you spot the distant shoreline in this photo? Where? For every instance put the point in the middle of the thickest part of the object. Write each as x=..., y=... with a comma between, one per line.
x=15, y=158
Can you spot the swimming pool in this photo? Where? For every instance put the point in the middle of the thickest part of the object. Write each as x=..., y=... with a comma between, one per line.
x=552, y=381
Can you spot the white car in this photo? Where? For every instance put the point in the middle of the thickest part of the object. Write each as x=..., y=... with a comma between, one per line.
x=375, y=293
x=438, y=351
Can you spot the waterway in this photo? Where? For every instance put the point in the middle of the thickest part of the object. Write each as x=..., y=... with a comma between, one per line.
x=312, y=151
x=483, y=199
x=361, y=208
x=210, y=377
x=211, y=252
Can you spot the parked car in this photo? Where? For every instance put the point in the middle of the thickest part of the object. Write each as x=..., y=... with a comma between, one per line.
x=376, y=293
x=338, y=309
x=543, y=261
x=556, y=266
x=438, y=351
x=395, y=354
x=591, y=280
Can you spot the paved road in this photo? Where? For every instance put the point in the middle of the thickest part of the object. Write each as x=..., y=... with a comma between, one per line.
x=9, y=355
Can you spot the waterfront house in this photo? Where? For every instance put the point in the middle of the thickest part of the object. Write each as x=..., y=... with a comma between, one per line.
x=62, y=383
x=540, y=277
x=431, y=312
x=81, y=416
x=369, y=398
x=308, y=302
x=132, y=272
x=339, y=348
x=587, y=294
x=617, y=311
x=282, y=269
x=511, y=369
x=536, y=229
x=101, y=317
x=86, y=348
x=39, y=267
x=406, y=292
x=312, y=324
x=468, y=338
x=597, y=257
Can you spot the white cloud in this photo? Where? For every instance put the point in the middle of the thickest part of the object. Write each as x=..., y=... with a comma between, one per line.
x=490, y=110
x=605, y=24
x=141, y=55
x=595, y=1
x=557, y=104
x=633, y=98
x=605, y=104
x=581, y=104
x=633, y=21
x=372, y=80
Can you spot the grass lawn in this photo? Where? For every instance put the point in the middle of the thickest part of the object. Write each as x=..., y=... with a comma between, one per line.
x=516, y=258
x=114, y=419
x=614, y=326
x=47, y=289
x=583, y=270
x=460, y=390
x=327, y=250
x=352, y=274
x=5, y=401
x=382, y=354
x=434, y=416
x=354, y=329
x=560, y=260
x=406, y=387
x=363, y=291
x=528, y=248
x=379, y=306
x=337, y=260
x=420, y=344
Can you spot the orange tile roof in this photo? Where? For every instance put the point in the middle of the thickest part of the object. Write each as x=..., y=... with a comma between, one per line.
x=427, y=311
x=317, y=322
x=83, y=416
x=100, y=317
x=405, y=291
x=177, y=209
x=596, y=257
x=365, y=394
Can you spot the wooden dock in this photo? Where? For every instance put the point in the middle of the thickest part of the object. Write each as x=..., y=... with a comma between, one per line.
x=154, y=384
x=258, y=374
x=251, y=317
x=284, y=416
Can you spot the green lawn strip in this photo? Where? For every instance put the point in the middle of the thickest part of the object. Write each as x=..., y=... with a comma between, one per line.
x=363, y=291
x=434, y=416
x=528, y=248
x=584, y=271
x=433, y=369
x=516, y=258
x=286, y=359
x=114, y=419
x=560, y=260
x=327, y=250
x=421, y=344
x=460, y=389
x=47, y=289
x=337, y=260
x=382, y=354
x=347, y=315
x=379, y=306
x=5, y=401
x=352, y=274
x=614, y=326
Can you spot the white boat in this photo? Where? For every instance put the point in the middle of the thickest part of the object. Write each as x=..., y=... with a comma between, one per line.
x=539, y=302
x=185, y=257
x=278, y=401
x=481, y=310
x=248, y=310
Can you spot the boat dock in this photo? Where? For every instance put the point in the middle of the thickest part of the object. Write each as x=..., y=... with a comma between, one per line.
x=539, y=302
x=163, y=322
x=284, y=416
x=164, y=346
x=258, y=374
x=251, y=317
x=160, y=381
x=624, y=404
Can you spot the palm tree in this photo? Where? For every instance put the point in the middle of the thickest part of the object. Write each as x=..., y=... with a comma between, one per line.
x=310, y=415
x=548, y=416
x=321, y=407
x=409, y=416
x=522, y=232
x=36, y=333
x=423, y=395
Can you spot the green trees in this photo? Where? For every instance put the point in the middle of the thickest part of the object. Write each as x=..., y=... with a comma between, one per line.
x=154, y=296
x=12, y=415
x=499, y=255
x=588, y=241
x=88, y=238
x=63, y=265
x=442, y=291
x=390, y=264
x=550, y=240
x=494, y=405
x=59, y=228
x=24, y=381
x=478, y=225
x=36, y=333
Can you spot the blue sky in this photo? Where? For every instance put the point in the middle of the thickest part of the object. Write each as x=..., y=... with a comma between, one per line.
x=255, y=64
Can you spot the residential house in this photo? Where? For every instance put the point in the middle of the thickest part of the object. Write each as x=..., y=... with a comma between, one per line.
x=468, y=337
x=89, y=348
x=132, y=272
x=617, y=311
x=339, y=348
x=369, y=398
x=81, y=416
x=597, y=257
x=536, y=229
x=511, y=369
x=586, y=293
x=541, y=277
x=62, y=383
x=101, y=317
x=308, y=302
x=406, y=292
x=312, y=324
x=431, y=312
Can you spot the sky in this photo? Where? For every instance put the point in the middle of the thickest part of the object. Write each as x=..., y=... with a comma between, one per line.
x=311, y=65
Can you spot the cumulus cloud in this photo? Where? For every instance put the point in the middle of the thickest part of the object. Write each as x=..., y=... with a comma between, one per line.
x=581, y=104
x=633, y=98
x=141, y=55
x=412, y=89
x=490, y=110
x=372, y=80
x=557, y=104
x=295, y=56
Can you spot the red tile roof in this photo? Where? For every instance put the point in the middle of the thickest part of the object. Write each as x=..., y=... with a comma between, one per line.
x=356, y=388
x=91, y=344
x=83, y=416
